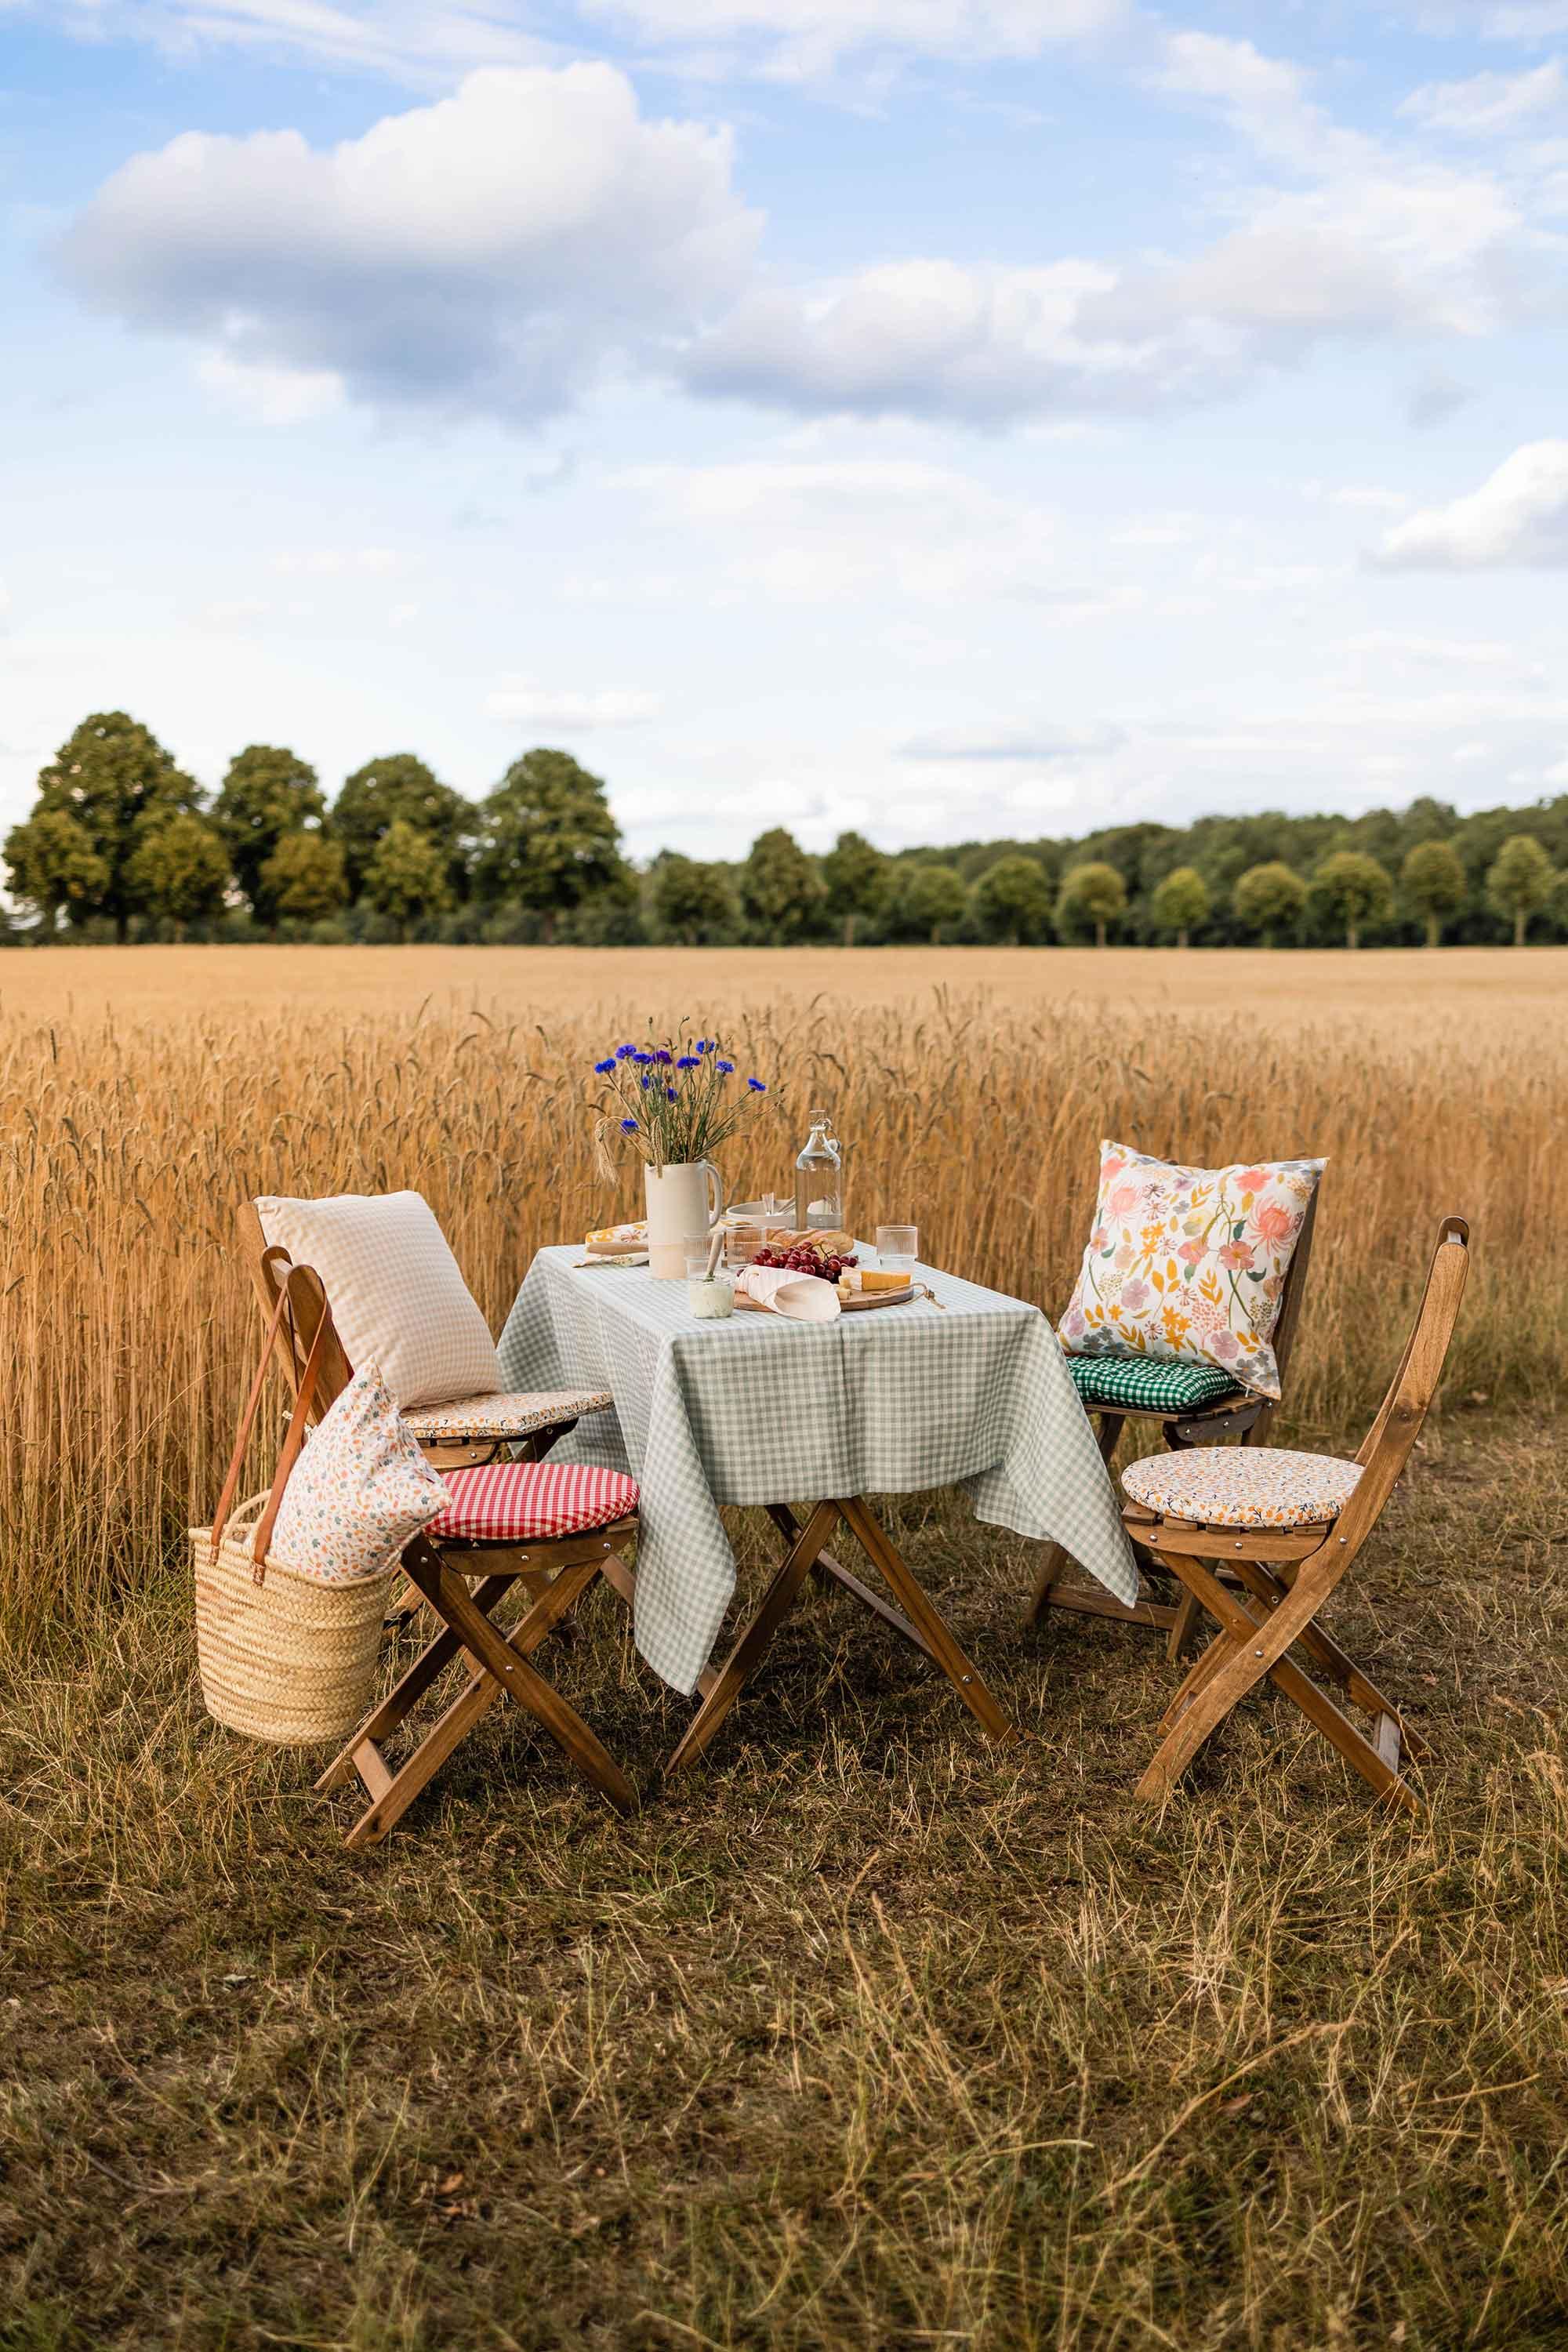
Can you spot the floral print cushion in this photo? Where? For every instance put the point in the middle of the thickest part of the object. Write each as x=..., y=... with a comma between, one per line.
x=1243, y=1486
x=1188, y=1265
x=360, y=1489
x=508, y=1416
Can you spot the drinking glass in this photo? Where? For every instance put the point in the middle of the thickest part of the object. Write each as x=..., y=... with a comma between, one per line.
x=898, y=1247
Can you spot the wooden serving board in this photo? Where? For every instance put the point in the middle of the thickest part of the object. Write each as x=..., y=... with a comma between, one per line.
x=854, y=1304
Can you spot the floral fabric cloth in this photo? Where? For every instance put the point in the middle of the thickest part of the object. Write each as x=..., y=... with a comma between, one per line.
x=1243, y=1485
x=514, y=1413
x=1188, y=1265
x=360, y=1488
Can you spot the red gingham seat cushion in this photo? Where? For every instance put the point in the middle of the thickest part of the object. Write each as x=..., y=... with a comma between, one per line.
x=531, y=1502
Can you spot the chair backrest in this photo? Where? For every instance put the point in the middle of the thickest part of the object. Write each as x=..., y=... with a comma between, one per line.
x=1386, y=1446
x=272, y=1270
x=1295, y=1288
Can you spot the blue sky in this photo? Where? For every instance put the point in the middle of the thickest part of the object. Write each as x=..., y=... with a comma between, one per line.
x=944, y=418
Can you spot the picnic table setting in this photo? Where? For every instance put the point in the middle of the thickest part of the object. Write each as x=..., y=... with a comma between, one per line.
x=774, y=1356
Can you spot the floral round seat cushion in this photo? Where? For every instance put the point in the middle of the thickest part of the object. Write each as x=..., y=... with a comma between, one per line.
x=1188, y=1265
x=1243, y=1485
x=532, y=1502
x=515, y=1413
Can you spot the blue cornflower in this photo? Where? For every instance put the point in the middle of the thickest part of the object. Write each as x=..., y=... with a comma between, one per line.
x=704, y=1044
x=756, y=1086
x=688, y=1062
x=642, y=1058
x=625, y=1053
x=663, y=1054
x=671, y=1093
x=628, y=1126
x=601, y=1069
x=725, y=1069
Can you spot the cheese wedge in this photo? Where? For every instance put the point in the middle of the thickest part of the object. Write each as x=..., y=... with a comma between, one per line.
x=868, y=1277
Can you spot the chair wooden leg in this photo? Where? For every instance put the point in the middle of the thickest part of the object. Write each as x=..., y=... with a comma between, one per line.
x=427, y=1667
x=1216, y=1654
x=930, y=1623
x=1336, y=1663
x=777, y=1603
x=1194, y=1706
x=1178, y=1641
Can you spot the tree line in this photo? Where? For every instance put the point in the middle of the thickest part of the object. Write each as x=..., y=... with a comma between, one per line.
x=121, y=843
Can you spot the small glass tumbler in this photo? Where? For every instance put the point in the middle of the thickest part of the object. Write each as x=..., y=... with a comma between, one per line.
x=898, y=1247
x=710, y=1296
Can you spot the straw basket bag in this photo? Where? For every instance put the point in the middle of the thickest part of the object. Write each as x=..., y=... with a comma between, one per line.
x=282, y=1656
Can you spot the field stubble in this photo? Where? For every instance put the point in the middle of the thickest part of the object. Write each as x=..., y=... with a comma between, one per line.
x=869, y=2037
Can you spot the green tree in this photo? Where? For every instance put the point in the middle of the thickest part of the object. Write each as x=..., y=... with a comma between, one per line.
x=114, y=779
x=304, y=879
x=692, y=901
x=1433, y=882
x=399, y=785
x=931, y=897
x=780, y=889
x=1519, y=881
x=1179, y=903
x=1011, y=899
x=179, y=870
x=1269, y=898
x=406, y=877
x=55, y=867
x=268, y=795
x=548, y=839
x=1094, y=893
x=855, y=874
x=1351, y=890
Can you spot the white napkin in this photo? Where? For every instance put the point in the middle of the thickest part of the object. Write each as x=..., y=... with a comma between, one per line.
x=804, y=1297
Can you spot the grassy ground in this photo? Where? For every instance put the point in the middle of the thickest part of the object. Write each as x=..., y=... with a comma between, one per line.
x=865, y=2036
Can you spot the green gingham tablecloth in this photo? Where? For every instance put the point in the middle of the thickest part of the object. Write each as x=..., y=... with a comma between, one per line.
x=759, y=1409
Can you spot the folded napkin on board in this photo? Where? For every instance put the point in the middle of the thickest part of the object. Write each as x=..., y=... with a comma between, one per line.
x=804, y=1297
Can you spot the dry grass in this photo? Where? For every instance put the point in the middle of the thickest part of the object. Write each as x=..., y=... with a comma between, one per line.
x=867, y=2037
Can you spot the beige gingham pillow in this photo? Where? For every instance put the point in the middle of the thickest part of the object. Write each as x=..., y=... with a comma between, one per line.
x=396, y=1295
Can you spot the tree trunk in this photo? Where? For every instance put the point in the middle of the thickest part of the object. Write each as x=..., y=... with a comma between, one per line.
x=550, y=927
x=849, y=928
x=1181, y=938
x=1520, y=918
x=1100, y=935
x=1352, y=937
x=1433, y=931
x=936, y=935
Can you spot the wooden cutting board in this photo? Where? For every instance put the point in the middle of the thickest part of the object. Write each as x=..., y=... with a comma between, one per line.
x=854, y=1304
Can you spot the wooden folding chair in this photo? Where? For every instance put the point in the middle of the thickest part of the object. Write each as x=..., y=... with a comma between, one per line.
x=1241, y=1416
x=1289, y=1526
x=554, y=1569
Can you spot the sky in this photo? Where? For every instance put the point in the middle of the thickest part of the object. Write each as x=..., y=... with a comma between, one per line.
x=951, y=419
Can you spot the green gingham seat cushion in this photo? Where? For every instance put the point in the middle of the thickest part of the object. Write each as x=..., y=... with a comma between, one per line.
x=1140, y=1384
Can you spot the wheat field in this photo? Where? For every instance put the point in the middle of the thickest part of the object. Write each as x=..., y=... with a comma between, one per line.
x=867, y=2036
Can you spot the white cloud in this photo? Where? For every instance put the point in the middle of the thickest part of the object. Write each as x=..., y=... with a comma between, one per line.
x=797, y=37
x=410, y=40
x=1518, y=516
x=812, y=532
x=270, y=395
x=1024, y=744
x=1488, y=102
x=501, y=251
x=1366, y=495
x=337, y=562
x=521, y=699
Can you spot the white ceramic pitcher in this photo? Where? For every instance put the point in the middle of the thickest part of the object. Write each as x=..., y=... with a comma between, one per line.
x=681, y=1202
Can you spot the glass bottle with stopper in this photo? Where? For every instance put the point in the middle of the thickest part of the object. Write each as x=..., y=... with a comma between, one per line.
x=819, y=1180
